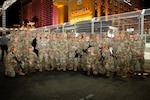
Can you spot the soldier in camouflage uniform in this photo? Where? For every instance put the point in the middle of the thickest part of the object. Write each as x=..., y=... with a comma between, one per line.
x=128, y=51
x=114, y=44
x=46, y=55
x=13, y=65
x=57, y=51
x=86, y=45
x=78, y=50
x=122, y=56
x=32, y=60
x=90, y=61
x=71, y=50
x=76, y=54
x=43, y=53
x=26, y=41
x=105, y=58
x=52, y=51
x=99, y=69
x=137, y=48
x=63, y=49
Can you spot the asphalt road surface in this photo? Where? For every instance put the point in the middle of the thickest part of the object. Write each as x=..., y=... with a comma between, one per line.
x=69, y=85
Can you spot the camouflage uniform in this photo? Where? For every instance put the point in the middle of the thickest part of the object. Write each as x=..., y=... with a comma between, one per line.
x=57, y=52
x=76, y=55
x=71, y=52
x=105, y=58
x=13, y=65
x=52, y=51
x=63, y=49
x=90, y=61
x=137, y=48
x=32, y=60
x=79, y=48
x=98, y=68
x=114, y=44
x=43, y=53
x=86, y=44
x=122, y=56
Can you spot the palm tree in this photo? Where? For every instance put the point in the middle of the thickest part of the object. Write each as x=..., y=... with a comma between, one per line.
x=25, y=22
x=35, y=19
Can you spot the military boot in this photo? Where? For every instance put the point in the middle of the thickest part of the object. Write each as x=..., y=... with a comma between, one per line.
x=107, y=74
x=143, y=76
x=124, y=75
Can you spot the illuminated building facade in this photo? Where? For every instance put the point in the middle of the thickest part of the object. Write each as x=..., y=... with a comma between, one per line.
x=42, y=9
x=87, y=9
x=53, y=12
x=60, y=11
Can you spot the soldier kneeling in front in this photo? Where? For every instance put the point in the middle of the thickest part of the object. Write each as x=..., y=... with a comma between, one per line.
x=13, y=65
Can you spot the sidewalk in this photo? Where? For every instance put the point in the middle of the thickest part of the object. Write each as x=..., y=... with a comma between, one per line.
x=147, y=59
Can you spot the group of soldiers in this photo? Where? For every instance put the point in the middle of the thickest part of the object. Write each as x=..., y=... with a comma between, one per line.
x=93, y=53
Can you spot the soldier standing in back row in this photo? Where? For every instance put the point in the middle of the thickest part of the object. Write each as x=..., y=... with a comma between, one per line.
x=122, y=56
x=114, y=44
x=71, y=50
x=79, y=48
x=63, y=52
x=138, y=46
x=86, y=45
x=105, y=58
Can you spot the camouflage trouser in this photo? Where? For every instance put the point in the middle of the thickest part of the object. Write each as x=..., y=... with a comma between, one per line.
x=84, y=62
x=88, y=68
x=57, y=60
x=95, y=69
x=76, y=62
x=63, y=63
x=106, y=65
x=122, y=67
x=18, y=68
x=99, y=68
x=30, y=67
x=9, y=70
x=71, y=60
x=41, y=60
x=138, y=61
x=46, y=64
x=129, y=60
x=52, y=62
x=115, y=62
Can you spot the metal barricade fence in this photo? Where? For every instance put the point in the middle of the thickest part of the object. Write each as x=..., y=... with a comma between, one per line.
x=131, y=22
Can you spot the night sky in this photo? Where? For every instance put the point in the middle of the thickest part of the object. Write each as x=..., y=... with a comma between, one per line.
x=146, y=4
x=13, y=12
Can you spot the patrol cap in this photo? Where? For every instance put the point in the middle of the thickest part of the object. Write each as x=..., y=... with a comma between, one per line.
x=91, y=49
x=30, y=47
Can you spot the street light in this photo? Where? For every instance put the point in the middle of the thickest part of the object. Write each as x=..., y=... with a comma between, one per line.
x=5, y=6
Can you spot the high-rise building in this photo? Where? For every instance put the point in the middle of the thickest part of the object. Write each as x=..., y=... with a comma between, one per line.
x=87, y=9
x=52, y=12
x=42, y=9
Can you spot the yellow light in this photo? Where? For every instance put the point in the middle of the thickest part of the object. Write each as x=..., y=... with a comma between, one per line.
x=80, y=18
